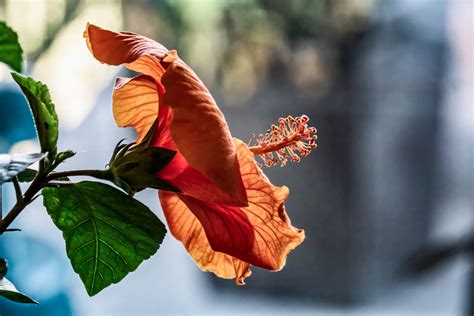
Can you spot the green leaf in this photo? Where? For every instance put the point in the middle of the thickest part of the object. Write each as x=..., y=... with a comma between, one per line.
x=27, y=175
x=44, y=114
x=9, y=291
x=10, y=50
x=107, y=233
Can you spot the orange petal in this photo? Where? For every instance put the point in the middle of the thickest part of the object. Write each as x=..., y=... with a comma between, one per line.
x=186, y=228
x=135, y=103
x=137, y=52
x=260, y=234
x=179, y=173
x=191, y=182
x=199, y=129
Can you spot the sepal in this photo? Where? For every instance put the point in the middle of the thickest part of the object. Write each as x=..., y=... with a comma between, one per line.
x=134, y=167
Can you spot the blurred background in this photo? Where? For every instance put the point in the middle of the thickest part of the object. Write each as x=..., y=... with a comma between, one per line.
x=386, y=199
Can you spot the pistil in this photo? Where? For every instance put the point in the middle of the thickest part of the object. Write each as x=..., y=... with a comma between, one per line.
x=289, y=140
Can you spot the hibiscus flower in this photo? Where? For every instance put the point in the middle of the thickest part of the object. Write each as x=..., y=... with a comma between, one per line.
x=227, y=214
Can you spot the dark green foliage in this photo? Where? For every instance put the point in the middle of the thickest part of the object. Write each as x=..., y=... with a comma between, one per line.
x=44, y=114
x=108, y=234
x=10, y=50
x=27, y=175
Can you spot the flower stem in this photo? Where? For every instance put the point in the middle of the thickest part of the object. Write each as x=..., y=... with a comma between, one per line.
x=100, y=174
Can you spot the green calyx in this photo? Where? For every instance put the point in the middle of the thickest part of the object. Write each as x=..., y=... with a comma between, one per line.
x=134, y=167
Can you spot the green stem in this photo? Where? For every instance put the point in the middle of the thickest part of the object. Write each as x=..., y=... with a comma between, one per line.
x=39, y=183
x=100, y=174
